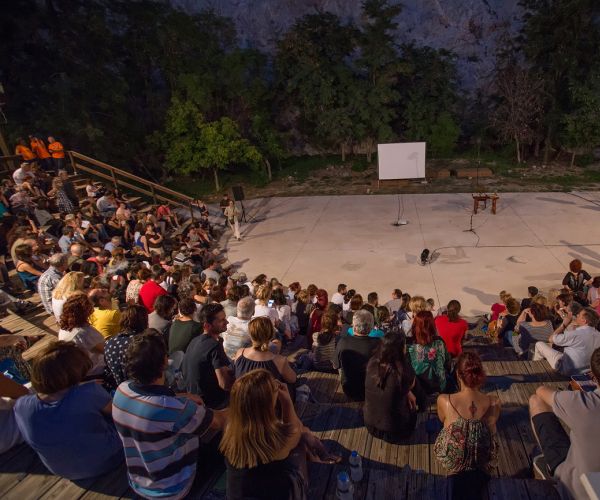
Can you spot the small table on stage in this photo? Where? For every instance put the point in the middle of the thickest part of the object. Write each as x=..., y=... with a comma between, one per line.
x=483, y=198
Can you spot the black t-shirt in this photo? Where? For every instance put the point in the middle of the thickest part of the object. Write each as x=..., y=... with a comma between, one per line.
x=203, y=356
x=352, y=356
x=387, y=409
x=576, y=282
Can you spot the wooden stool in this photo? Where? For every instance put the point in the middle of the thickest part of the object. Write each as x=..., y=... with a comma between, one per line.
x=483, y=198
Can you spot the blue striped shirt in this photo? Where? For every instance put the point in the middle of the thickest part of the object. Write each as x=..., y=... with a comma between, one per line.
x=160, y=434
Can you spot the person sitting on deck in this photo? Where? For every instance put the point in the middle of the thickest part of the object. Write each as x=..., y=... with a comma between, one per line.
x=266, y=455
x=184, y=329
x=206, y=368
x=507, y=321
x=534, y=326
x=428, y=355
x=390, y=406
x=75, y=327
x=68, y=422
x=467, y=445
x=166, y=436
x=452, y=328
x=532, y=291
x=261, y=355
x=236, y=336
x=10, y=391
x=105, y=319
x=567, y=456
x=578, y=344
x=353, y=353
x=134, y=321
x=500, y=307
x=576, y=281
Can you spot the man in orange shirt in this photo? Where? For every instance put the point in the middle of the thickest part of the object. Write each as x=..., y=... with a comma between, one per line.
x=58, y=153
x=23, y=150
x=39, y=148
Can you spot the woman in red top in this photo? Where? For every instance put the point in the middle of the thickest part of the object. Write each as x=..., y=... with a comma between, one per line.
x=452, y=328
x=500, y=307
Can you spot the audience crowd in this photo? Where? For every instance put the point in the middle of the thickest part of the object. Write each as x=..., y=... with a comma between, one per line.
x=171, y=361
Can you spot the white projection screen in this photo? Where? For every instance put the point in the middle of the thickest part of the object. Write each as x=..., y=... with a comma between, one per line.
x=404, y=160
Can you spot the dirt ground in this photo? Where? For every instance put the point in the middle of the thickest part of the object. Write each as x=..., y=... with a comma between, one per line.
x=343, y=180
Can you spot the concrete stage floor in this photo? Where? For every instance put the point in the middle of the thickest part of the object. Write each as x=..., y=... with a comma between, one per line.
x=350, y=239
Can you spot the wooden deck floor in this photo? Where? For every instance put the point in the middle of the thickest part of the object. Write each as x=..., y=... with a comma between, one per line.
x=404, y=471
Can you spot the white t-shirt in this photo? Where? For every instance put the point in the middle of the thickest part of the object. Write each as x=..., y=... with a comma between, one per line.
x=267, y=311
x=337, y=298
x=86, y=337
x=57, y=307
x=20, y=176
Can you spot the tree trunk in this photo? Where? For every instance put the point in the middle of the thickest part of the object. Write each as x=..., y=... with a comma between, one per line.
x=536, y=148
x=572, y=159
x=369, y=150
x=343, y=152
x=217, y=186
x=518, y=149
x=547, y=146
x=269, y=173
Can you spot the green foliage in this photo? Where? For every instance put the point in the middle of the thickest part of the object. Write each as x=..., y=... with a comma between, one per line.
x=379, y=67
x=560, y=41
x=582, y=125
x=316, y=80
x=194, y=144
x=429, y=93
x=360, y=165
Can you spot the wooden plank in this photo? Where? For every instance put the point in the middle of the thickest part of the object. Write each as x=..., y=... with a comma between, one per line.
x=541, y=490
x=38, y=480
x=38, y=347
x=113, y=484
x=15, y=470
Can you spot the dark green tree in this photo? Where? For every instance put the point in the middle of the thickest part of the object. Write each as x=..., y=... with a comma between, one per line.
x=429, y=97
x=379, y=68
x=560, y=40
x=582, y=125
x=316, y=80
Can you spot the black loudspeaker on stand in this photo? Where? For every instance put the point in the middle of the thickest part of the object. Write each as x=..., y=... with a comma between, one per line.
x=238, y=195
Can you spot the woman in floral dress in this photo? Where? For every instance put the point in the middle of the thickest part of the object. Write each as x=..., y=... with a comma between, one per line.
x=428, y=354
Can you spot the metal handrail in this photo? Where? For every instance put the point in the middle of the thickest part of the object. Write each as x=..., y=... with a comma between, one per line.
x=156, y=191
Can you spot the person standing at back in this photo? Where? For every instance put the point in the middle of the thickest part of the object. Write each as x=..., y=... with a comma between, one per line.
x=57, y=151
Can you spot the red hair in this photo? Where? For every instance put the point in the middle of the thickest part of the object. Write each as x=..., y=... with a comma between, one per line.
x=575, y=266
x=470, y=370
x=423, y=328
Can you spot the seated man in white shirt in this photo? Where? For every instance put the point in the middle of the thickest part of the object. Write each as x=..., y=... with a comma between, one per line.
x=338, y=297
x=567, y=456
x=578, y=343
x=236, y=336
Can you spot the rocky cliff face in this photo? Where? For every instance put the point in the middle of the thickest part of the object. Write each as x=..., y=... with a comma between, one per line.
x=469, y=28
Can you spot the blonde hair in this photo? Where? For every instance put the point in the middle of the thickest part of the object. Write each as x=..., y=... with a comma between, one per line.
x=302, y=296
x=417, y=304
x=504, y=296
x=553, y=294
x=539, y=299
x=70, y=283
x=263, y=293
x=253, y=434
x=261, y=333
